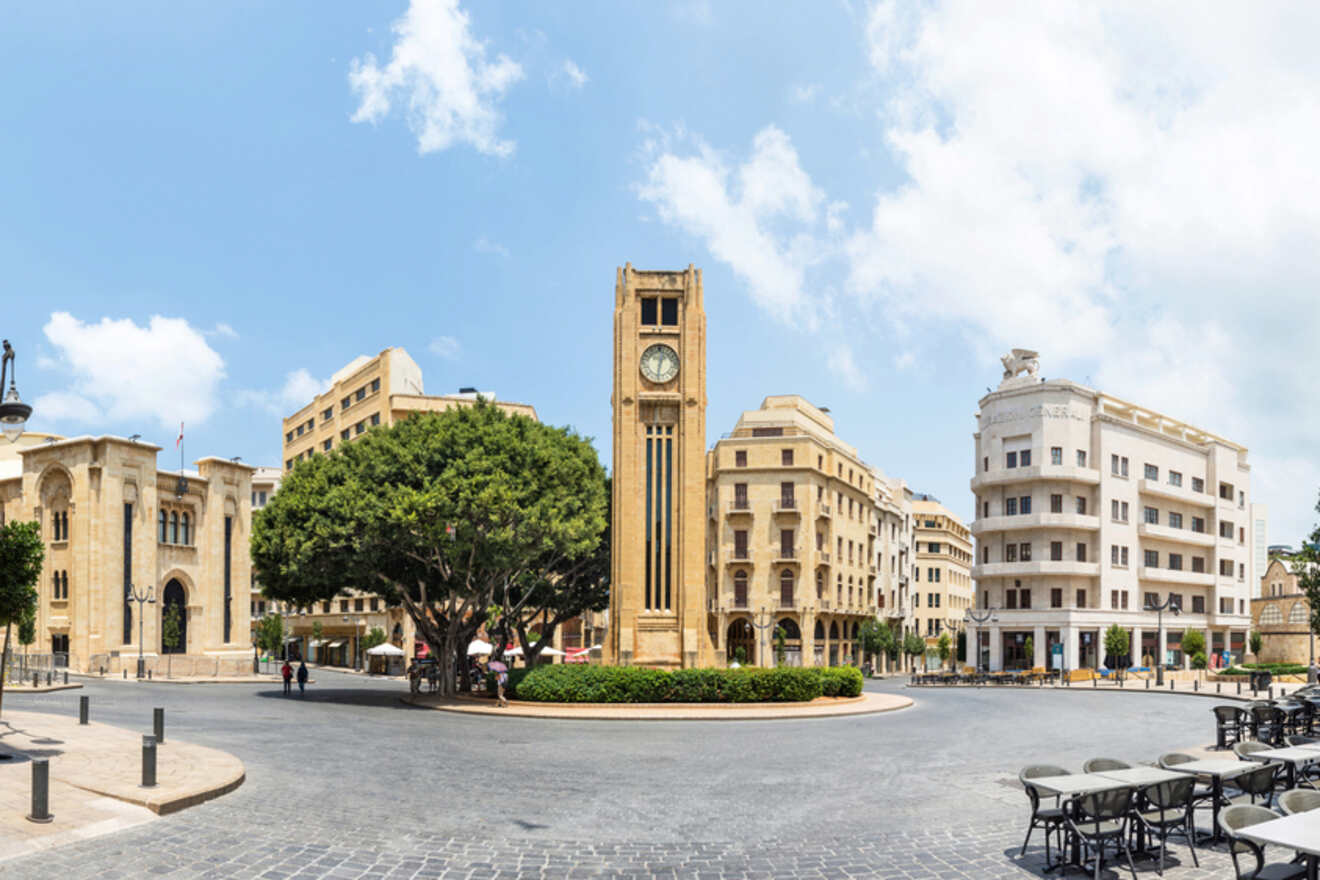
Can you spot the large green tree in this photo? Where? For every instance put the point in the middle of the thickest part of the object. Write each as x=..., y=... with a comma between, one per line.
x=876, y=638
x=1306, y=565
x=447, y=514
x=171, y=632
x=21, y=555
x=914, y=646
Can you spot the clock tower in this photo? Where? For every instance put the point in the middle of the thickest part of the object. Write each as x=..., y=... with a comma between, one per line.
x=658, y=529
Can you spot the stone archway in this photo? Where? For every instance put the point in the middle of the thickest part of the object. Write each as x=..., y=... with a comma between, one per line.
x=834, y=643
x=174, y=596
x=741, y=635
x=792, y=641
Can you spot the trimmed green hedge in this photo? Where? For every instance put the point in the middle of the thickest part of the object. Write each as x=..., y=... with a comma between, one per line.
x=636, y=684
x=1274, y=668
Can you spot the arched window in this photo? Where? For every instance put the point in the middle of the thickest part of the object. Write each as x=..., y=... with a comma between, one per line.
x=174, y=527
x=819, y=631
x=1298, y=612
x=790, y=628
x=1271, y=615
x=55, y=587
x=786, y=589
x=820, y=585
x=65, y=591
x=164, y=531
x=740, y=589
x=187, y=529
x=834, y=631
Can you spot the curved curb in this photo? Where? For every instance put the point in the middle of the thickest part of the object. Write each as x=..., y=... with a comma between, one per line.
x=1165, y=692
x=867, y=704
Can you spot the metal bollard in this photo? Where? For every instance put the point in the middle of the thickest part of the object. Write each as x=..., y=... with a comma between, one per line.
x=84, y=705
x=40, y=791
x=158, y=724
x=1094, y=683
x=1196, y=684
x=1170, y=684
x=126, y=675
x=148, y=761
x=1148, y=684
x=66, y=676
x=1271, y=692
x=148, y=675
x=1239, y=689
x=48, y=680
x=1219, y=687
x=36, y=679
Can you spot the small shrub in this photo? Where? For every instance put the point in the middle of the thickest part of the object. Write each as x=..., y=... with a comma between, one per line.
x=1199, y=660
x=635, y=684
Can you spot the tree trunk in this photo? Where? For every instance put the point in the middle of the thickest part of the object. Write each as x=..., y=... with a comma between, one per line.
x=4, y=665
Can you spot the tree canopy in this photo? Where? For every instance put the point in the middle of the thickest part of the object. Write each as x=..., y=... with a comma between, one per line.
x=21, y=555
x=1306, y=565
x=449, y=515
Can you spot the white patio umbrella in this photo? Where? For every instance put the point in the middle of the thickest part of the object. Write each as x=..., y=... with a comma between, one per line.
x=514, y=652
x=477, y=647
x=385, y=649
x=552, y=651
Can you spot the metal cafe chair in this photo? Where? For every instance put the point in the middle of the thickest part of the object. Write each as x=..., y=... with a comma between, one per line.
x=1231, y=821
x=1050, y=819
x=1100, y=819
x=1168, y=810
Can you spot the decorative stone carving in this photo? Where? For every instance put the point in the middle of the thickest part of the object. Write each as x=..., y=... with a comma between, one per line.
x=1018, y=361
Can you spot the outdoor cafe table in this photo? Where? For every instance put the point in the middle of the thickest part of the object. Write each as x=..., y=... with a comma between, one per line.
x=1218, y=769
x=1104, y=780
x=1292, y=757
x=1300, y=831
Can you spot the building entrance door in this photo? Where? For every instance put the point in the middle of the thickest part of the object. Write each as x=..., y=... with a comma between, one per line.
x=175, y=603
x=741, y=642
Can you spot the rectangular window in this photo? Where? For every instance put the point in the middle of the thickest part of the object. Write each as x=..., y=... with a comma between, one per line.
x=740, y=496
x=1152, y=472
x=1010, y=507
x=361, y=393
x=786, y=544
x=1242, y=571
x=1123, y=466
x=1152, y=558
x=1198, y=604
x=1150, y=600
x=1010, y=553
x=1175, y=478
x=786, y=458
x=1081, y=552
x=288, y=464
x=1081, y=458
x=1226, y=491
x=1026, y=598
x=985, y=508
x=1113, y=465
x=1056, y=551
x=1175, y=601
x=1011, y=599
x=985, y=463
x=669, y=311
x=1123, y=559
x=375, y=418
x=360, y=427
x=649, y=316
x=1081, y=598
x=1150, y=515
x=1081, y=505
x=328, y=413
x=1198, y=485
x=1024, y=551
x=344, y=434
x=740, y=458
x=1113, y=510
x=325, y=607
x=1175, y=562
x=934, y=546
x=326, y=444
x=1056, y=597
x=1123, y=511
x=300, y=430
x=1124, y=596
x=375, y=603
x=1175, y=520
x=1024, y=458
x=1198, y=564
x=375, y=385
x=1056, y=504
x=1226, y=529
x=1056, y=455
x=1113, y=554
x=346, y=403
x=288, y=438
x=1010, y=460
x=343, y=605
x=1198, y=524
x=357, y=605
x=1025, y=504
x=229, y=594
x=1113, y=599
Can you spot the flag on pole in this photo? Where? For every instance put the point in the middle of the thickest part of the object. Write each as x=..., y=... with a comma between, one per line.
x=180, y=440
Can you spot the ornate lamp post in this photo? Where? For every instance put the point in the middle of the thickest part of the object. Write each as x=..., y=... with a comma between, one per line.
x=143, y=599
x=357, y=648
x=987, y=614
x=13, y=411
x=761, y=628
x=1159, y=608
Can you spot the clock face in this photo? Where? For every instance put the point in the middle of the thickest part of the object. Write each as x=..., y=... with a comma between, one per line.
x=659, y=363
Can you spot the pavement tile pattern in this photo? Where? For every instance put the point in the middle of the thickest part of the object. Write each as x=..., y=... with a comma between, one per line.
x=350, y=783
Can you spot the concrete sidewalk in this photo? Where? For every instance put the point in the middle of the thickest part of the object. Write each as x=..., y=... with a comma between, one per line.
x=825, y=707
x=95, y=773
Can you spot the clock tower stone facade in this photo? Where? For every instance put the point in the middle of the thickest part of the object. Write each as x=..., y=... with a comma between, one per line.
x=658, y=567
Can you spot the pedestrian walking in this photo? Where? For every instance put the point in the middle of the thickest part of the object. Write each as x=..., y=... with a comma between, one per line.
x=302, y=678
x=287, y=671
x=501, y=681
x=414, y=676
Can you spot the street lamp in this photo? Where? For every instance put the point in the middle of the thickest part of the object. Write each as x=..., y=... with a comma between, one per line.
x=143, y=598
x=1159, y=608
x=762, y=627
x=13, y=411
x=978, y=619
x=357, y=648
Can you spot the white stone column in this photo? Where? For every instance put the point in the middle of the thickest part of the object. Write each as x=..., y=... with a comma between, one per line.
x=1101, y=655
x=1161, y=647
x=996, y=650
x=1038, y=643
x=1135, y=648
x=1072, y=644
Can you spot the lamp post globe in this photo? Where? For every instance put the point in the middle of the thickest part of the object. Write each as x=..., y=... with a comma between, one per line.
x=14, y=412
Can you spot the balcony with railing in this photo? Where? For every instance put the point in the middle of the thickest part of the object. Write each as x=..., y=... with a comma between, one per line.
x=1041, y=567
x=1176, y=576
x=822, y=557
x=787, y=555
x=1021, y=522
x=1176, y=493
x=823, y=511
x=788, y=506
x=739, y=506
x=1068, y=473
x=1182, y=536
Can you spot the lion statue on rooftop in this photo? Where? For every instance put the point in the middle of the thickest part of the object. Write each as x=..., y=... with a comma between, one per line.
x=1021, y=360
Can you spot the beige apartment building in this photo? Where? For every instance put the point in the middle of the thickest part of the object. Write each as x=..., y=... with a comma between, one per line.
x=793, y=537
x=115, y=525
x=1282, y=616
x=367, y=392
x=1088, y=508
x=941, y=572
x=895, y=550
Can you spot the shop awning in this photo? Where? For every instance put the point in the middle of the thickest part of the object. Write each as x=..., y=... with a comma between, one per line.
x=337, y=643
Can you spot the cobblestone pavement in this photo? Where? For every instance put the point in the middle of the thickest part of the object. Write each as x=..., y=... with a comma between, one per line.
x=350, y=783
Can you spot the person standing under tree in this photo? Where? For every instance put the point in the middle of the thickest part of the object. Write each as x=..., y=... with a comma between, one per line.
x=287, y=671
x=302, y=678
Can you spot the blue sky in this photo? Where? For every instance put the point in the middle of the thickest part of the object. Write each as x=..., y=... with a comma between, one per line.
x=209, y=208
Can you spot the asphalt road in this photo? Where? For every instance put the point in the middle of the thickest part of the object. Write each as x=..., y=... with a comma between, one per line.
x=350, y=782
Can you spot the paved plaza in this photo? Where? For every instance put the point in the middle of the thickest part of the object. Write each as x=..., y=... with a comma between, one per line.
x=349, y=782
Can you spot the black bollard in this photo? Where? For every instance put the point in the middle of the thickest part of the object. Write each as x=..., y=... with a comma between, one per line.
x=1219, y=687
x=1095, y=683
x=148, y=675
x=1271, y=692
x=1148, y=684
x=148, y=761
x=1196, y=684
x=126, y=675
x=84, y=705
x=40, y=791
x=36, y=679
x=66, y=676
x=1239, y=687
x=158, y=724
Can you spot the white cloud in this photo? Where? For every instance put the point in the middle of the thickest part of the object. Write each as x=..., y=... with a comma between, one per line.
x=119, y=371
x=300, y=387
x=223, y=329
x=803, y=93
x=446, y=347
x=844, y=365
x=576, y=77
x=484, y=245
x=441, y=73
x=905, y=361
x=1130, y=191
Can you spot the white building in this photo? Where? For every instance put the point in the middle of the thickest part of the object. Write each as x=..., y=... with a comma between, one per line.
x=1088, y=508
x=1260, y=557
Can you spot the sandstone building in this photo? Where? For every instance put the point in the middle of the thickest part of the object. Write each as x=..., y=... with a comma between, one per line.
x=114, y=522
x=1088, y=508
x=1282, y=616
x=941, y=573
